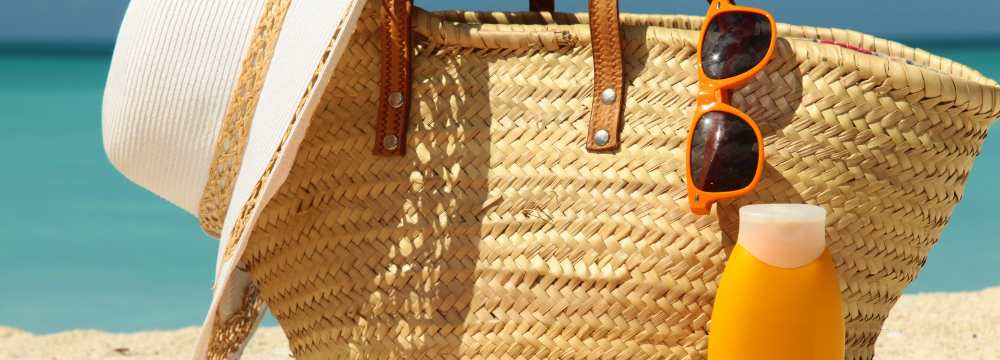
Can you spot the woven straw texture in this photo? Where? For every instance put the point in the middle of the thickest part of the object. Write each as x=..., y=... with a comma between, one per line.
x=499, y=236
x=234, y=133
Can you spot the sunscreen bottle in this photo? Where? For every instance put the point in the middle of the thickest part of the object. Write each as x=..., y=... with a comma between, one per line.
x=779, y=296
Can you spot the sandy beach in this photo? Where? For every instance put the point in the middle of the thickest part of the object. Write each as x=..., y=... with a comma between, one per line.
x=924, y=326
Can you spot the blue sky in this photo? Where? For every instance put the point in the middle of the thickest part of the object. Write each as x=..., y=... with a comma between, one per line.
x=96, y=21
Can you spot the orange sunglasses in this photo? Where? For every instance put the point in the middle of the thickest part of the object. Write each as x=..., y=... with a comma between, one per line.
x=725, y=149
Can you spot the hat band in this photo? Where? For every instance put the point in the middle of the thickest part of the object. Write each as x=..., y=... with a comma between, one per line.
x=231, y=142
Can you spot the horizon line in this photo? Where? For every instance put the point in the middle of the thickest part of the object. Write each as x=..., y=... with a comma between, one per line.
x=43, y=47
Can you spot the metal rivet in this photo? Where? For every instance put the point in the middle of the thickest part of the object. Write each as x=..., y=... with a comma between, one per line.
x=390, y=142
x=601, y=137
x=396, y=99
x=697, y=197
x=608, y=96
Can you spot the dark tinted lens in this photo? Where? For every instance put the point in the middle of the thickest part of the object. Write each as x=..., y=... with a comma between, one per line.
x=724, y=153
x=734, y=43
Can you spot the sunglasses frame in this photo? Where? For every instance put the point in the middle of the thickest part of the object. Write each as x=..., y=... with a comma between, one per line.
x=714, y=95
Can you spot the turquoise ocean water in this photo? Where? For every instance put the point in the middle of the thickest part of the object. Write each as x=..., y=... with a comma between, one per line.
x=82, y=247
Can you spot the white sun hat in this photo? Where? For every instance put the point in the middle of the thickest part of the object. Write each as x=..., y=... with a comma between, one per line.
x=205, y=105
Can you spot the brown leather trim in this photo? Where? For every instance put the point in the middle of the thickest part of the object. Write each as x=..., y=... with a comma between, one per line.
x=605, y=39
x=394, y=77
x=542, y=5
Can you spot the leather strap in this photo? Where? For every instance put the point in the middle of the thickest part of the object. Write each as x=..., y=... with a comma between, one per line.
x=542, y=5
x=394, y=78
x=609, y=89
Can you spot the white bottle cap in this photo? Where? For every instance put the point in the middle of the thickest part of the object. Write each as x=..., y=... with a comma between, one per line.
x=783, y=235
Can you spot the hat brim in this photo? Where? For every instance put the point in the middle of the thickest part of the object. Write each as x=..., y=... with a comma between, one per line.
x=313, y=36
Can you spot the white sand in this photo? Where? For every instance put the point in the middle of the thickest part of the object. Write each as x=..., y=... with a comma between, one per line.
x=943, y=326
x=926, y=327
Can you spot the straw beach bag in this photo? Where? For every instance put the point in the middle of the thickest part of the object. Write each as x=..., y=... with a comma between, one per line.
x=483, y=227
x=448, y=198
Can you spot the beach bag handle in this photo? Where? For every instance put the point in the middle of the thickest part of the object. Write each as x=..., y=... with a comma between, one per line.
x=550, y=5
x=394, y=75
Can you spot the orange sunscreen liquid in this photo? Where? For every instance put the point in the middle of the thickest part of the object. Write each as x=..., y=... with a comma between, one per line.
x=779, y=297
